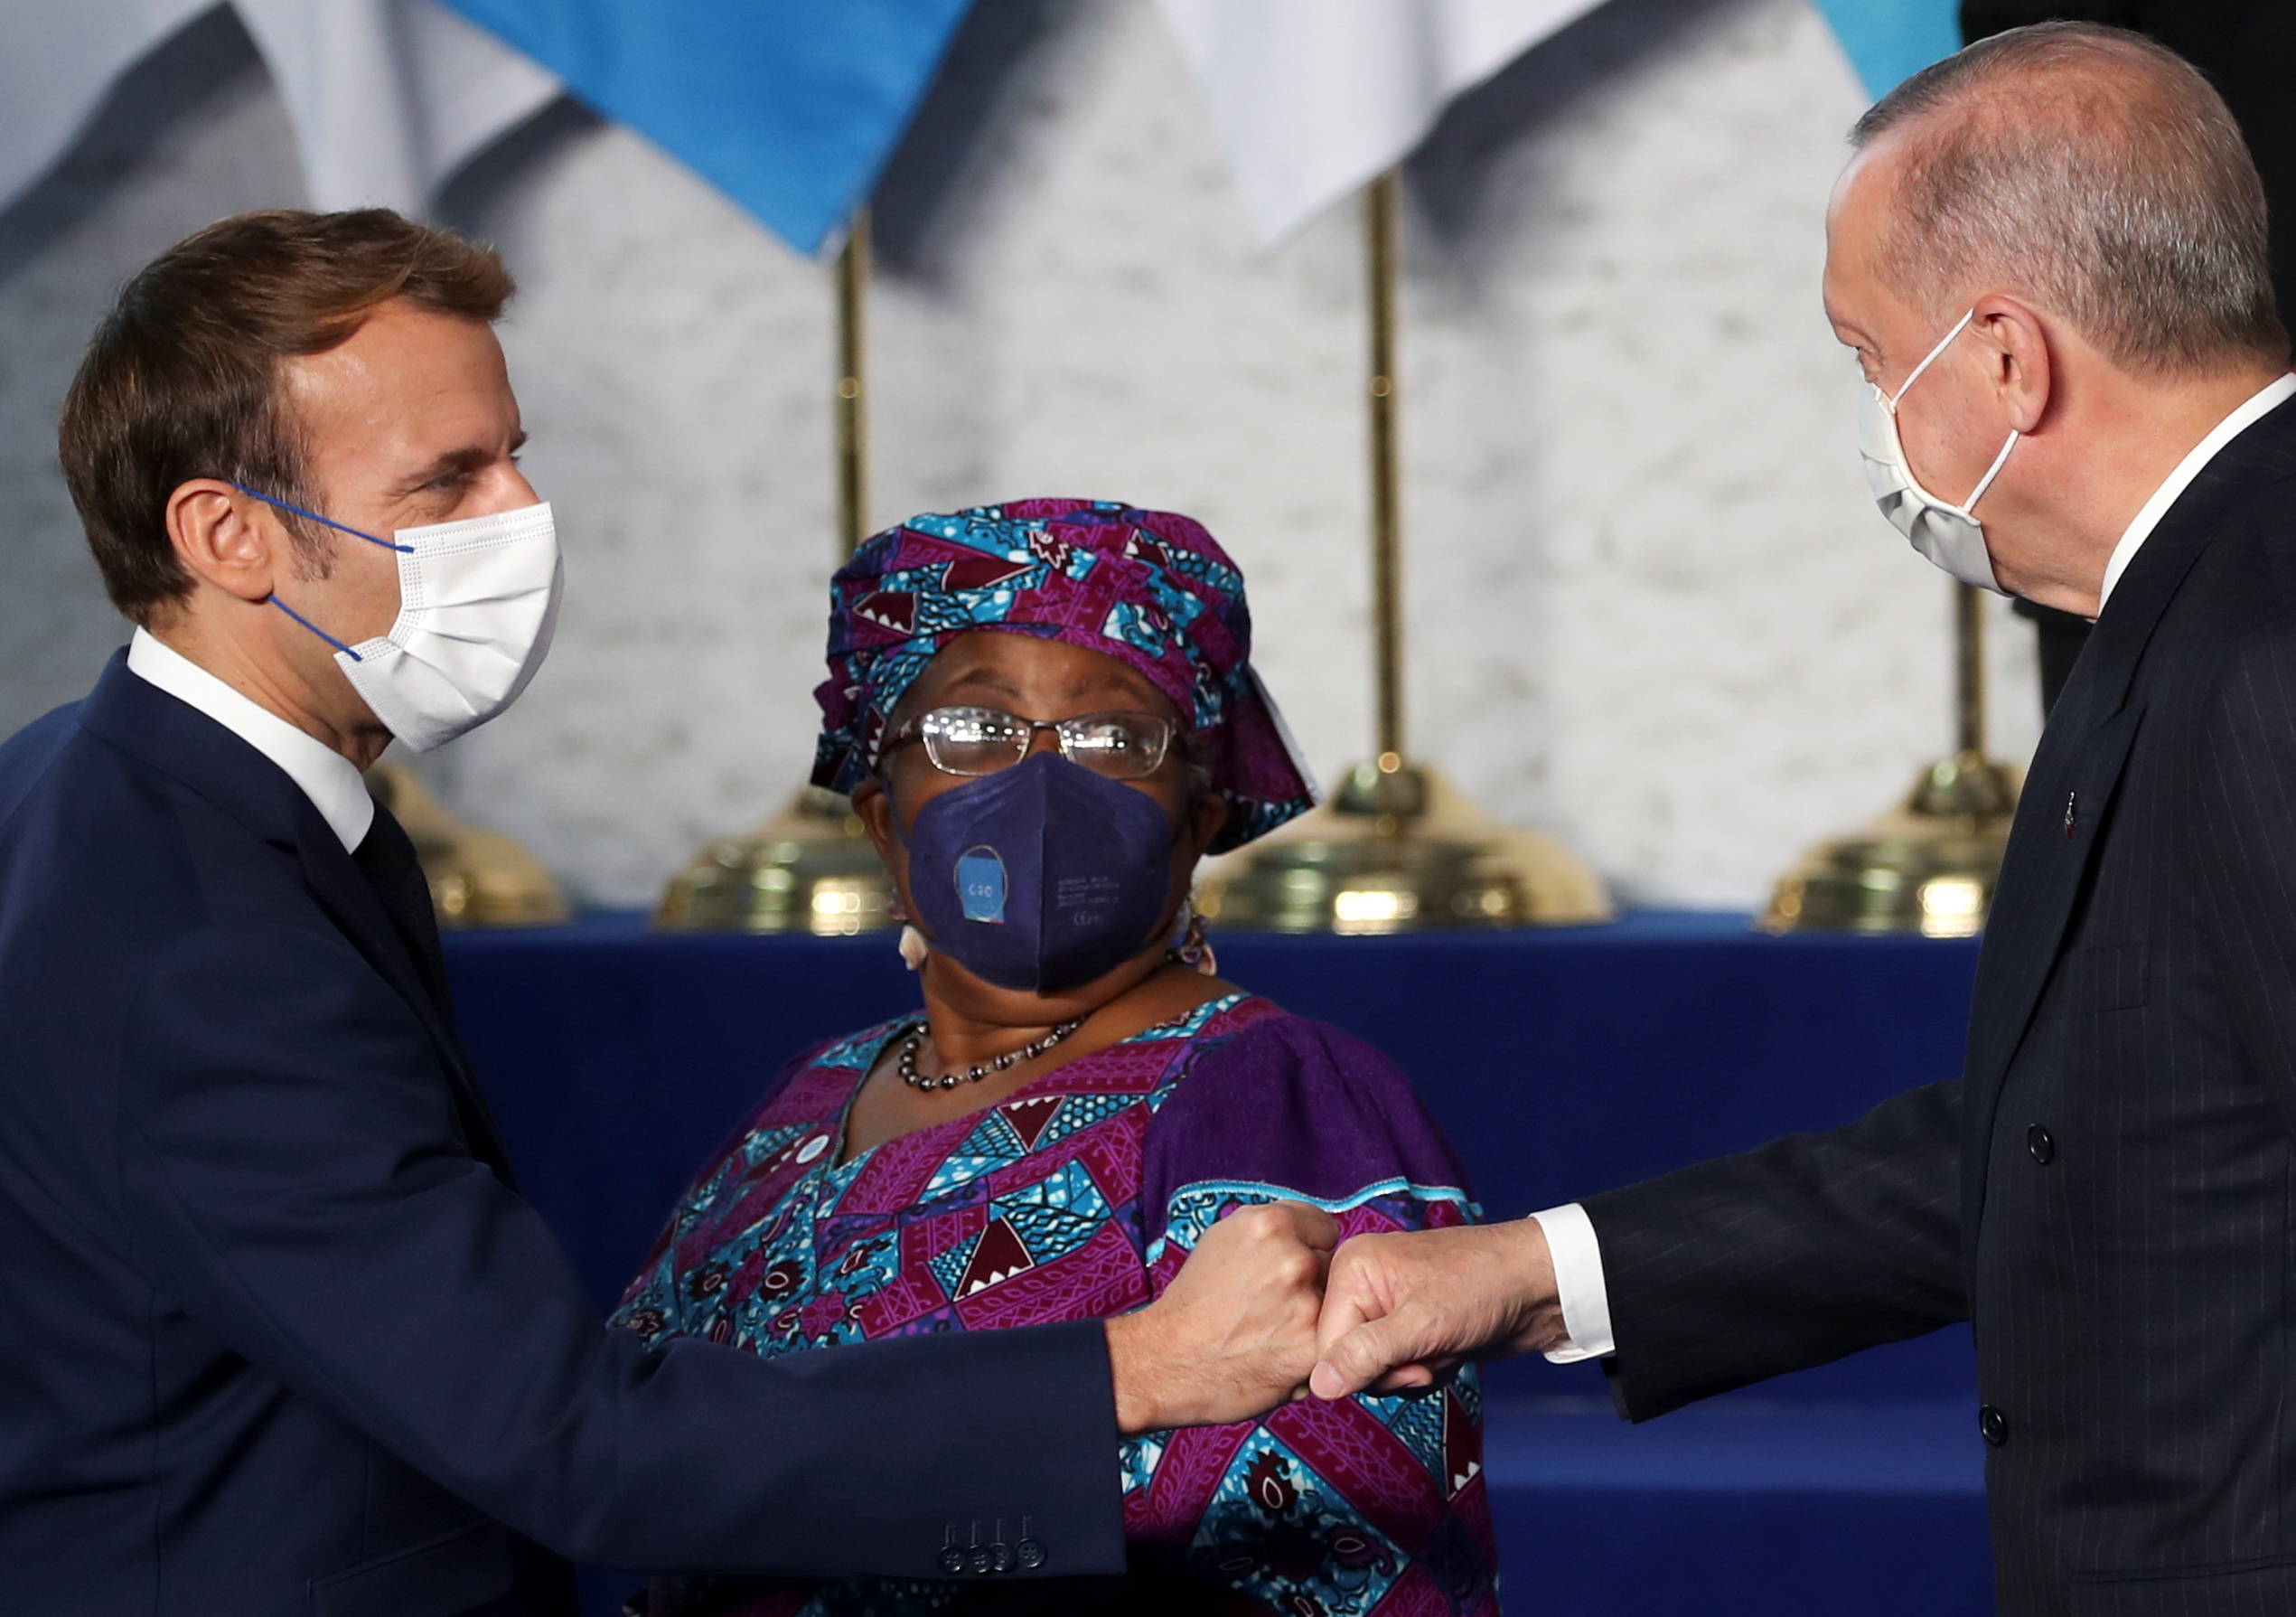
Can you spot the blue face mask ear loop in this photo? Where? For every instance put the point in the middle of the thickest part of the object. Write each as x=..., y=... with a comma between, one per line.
x=315, y=628
x=324, y=523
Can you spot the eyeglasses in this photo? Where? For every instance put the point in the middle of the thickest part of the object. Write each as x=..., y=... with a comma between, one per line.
x=983, y=740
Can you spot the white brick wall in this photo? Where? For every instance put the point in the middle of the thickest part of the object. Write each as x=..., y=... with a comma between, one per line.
x=1650, y=607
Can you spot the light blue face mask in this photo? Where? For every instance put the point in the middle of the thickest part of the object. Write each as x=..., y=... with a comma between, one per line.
x=478, y=604
x=1948, y=536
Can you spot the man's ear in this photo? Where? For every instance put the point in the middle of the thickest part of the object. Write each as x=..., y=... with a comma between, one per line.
x=219, y=539
x=2017, y=349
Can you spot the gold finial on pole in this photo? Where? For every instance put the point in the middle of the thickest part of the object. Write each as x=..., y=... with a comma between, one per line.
x=1387, y=626
x=852, y=387
x=477, y=877
x=1929, y=865
x=810, y=868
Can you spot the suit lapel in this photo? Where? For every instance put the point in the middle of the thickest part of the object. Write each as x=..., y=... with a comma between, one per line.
x=2064, y=809
x=2041, y=880
x=173, y=736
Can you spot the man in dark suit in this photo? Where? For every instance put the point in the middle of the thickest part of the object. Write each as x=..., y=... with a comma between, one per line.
x=2060, y=238
x=276, y=1332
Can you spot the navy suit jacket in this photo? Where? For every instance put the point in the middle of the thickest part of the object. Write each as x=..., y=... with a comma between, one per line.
x=278, y=1335
x=2109, y=1190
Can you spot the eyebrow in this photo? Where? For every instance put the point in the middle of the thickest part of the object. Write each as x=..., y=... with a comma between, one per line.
x=1116, y=683
x=990, y=679
x=468, y=459
x=986, y=677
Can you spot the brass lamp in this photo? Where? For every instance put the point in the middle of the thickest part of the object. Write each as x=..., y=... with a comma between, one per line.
x=1397, y=848
x=812, y=867
x=1929, y=865
x=477, y=877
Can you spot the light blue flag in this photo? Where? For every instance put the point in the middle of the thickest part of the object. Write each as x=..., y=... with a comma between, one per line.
x=790, y=107
x=1888, y=40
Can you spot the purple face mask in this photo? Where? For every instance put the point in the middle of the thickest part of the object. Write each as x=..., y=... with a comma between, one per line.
x=1040, y=877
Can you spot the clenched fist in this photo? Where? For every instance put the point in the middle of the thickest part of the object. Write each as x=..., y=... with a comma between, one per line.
x=1234, y=1333
x=1401, y=1310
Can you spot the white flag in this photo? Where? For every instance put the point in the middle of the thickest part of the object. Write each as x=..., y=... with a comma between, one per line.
x=388, y=97
x=1312, y=98
x=58, y=59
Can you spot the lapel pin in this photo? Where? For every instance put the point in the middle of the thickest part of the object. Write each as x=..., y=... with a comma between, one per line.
x=2072, y=811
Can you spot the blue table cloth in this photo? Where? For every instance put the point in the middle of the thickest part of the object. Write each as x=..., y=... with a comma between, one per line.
x=1562, y=1061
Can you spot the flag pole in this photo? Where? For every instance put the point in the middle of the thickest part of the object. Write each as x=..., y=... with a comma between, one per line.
x=852, y=387
x=1969, y=671
x=810, y=868
x=1396, y=847
x=1387, y=626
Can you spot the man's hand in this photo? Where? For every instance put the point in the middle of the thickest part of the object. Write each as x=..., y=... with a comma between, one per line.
x=1234, y=1333
x=1400, y=1311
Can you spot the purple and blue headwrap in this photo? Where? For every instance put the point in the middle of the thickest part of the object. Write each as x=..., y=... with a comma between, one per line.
x=1150, y=588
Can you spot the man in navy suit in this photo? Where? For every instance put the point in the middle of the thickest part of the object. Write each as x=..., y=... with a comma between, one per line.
x=277, y=1333
x=2049, y=255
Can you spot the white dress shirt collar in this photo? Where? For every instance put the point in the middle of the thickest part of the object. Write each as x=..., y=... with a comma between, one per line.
x=2167, y=494
x=329, y=780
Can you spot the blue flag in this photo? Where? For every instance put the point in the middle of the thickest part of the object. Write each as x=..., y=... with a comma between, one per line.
x=1888, y=40
x=790, y=107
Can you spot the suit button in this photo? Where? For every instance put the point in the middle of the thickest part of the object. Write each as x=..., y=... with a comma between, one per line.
x=2038, y=1142
x=1994, y=1424
x=1030, y=1554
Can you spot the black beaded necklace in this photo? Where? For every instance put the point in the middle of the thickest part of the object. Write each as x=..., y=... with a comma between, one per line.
x=915, y=1041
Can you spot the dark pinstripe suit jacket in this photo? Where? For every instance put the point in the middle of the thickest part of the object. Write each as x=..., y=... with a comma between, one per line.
x=2109, y=1191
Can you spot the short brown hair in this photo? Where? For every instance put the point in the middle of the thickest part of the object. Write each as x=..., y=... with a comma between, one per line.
x=180, y=379
x=2099, y=172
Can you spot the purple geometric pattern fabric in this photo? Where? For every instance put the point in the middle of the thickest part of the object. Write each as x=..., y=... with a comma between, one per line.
x=1080, y=1196
x=1151, y=588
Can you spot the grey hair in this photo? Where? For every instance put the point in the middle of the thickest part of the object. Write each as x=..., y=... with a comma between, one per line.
x=2095, y=172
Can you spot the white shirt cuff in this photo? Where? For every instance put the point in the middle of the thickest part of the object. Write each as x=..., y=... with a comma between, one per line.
x=1579, y=1286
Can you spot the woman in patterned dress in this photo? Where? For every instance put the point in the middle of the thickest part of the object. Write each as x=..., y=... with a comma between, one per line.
x=1045, y=714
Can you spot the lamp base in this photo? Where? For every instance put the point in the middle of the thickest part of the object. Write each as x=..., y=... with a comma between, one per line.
x=1399, y=848
x=810, y=868
x=477, y=877
x=1929, y=866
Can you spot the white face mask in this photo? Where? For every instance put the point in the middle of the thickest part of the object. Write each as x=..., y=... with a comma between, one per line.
x=1948, y=535
x=478, y=602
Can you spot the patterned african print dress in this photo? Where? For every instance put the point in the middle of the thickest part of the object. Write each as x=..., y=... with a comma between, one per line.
x=1079, y=1195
